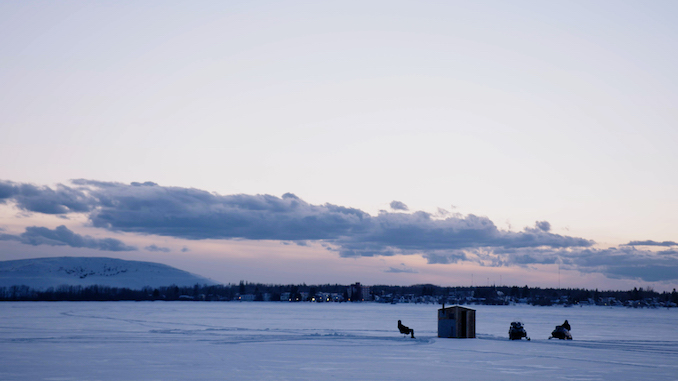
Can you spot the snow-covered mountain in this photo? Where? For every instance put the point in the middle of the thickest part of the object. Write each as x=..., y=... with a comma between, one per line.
x=42, y=273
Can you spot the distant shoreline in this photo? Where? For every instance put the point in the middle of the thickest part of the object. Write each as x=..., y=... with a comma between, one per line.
x=426, y=293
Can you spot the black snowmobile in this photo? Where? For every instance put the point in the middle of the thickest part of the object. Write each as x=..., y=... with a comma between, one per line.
x=517, y=331
x=562, y=332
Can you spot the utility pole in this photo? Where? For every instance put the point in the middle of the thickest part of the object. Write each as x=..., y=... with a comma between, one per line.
x=559, y=276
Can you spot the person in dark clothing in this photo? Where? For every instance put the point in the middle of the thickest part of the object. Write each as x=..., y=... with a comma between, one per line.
x=405, y=330
x=562, y=332
x=566, y=325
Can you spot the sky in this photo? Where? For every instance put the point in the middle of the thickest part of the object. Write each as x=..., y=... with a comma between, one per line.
x=385, y=142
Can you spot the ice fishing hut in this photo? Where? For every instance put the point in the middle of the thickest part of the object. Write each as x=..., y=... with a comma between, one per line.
x=456, y=322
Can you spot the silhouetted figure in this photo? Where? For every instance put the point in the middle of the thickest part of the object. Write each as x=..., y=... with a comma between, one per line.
x=562, y=332
x=566, y=325
x=405, y=330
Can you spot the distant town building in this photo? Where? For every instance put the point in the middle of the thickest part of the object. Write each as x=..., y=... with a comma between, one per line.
x=358, y=293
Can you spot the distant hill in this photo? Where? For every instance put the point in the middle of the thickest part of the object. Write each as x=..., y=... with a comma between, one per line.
x=42, y=273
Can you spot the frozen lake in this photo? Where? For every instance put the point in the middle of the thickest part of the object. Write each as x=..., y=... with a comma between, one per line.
x=304, y=341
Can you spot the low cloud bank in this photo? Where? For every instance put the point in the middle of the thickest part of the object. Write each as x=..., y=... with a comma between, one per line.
x=148, y=208
x=651, y=243
x=156, y=248
x=62, y=236
x=401, y=270
x=45, y=200
x=615, y=262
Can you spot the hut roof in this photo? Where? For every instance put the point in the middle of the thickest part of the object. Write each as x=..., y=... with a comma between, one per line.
x=456, y=306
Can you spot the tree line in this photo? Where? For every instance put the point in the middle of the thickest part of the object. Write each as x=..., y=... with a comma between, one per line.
x=304, y=292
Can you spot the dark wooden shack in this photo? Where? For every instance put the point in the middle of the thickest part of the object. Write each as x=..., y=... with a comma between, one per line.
x=456, y=322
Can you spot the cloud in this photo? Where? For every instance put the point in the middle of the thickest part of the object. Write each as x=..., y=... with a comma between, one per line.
x=148, y=208
x=420, y=233
x=543, y=226
x=45, y=200
x=441, y=238
x=614, y=262
x=157, y=248
x=62, y=236
x=196, y=214
x=9, y=237
x=442, y=213
x=403, y=269
x=185, y=249
x=397, y=205
x=651, y=243
x=625, y=262
x=446, y=257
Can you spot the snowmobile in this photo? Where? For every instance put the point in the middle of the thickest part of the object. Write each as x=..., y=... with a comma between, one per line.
x=517, y=331
x=561, y=333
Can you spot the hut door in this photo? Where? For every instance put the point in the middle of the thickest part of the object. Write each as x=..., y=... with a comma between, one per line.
x=463, y=324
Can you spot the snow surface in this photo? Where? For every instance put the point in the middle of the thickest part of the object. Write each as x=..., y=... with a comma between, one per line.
x=340, y=341
x=42, y=273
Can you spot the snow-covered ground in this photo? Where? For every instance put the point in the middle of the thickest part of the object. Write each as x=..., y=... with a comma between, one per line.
x=42, y=273
x=303, y=341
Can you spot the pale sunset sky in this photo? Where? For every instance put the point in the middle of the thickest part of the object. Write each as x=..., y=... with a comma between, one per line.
x=382, y=142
